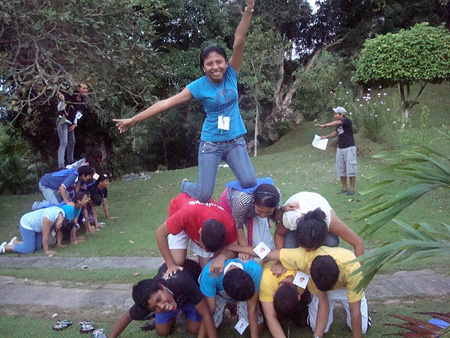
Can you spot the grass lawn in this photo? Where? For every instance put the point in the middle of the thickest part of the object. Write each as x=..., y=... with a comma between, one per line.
x=19, y=326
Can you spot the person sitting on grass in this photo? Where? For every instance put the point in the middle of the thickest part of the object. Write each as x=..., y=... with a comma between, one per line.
x=333, y=279
x=35, y=228
x=207, y=225
x=281, y=300
x=310, y=203
x=240, y=282
x=166, y=297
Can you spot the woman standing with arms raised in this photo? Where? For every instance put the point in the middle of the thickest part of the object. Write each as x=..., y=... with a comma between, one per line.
x=223, y=128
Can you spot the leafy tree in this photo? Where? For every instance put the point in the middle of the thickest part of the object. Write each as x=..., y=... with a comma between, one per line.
x=49, y=45
x=419, y=55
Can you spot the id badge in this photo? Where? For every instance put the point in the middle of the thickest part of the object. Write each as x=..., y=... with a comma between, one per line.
x=241, y=326
x=224, y=122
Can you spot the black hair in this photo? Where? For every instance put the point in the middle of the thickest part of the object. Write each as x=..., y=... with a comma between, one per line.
x=208, y=50
x=144, y=290
x=266, y=195
x=85, y=170
x=79, y=195
x=213, y=235
x=103, y=177
x=285, y=300
x=94, y=158
x=311, y=230
x=239, y=285
x=324, y=272
x=96, y=199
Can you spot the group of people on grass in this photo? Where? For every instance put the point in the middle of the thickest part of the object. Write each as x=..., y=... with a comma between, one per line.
x=304, y=273
x=70, y=198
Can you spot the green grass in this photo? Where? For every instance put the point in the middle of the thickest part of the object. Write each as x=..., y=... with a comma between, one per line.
x=72, y=278
x=20, y=326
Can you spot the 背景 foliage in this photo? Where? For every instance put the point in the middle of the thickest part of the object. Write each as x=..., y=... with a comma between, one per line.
x=425, y=169
x=419, y=55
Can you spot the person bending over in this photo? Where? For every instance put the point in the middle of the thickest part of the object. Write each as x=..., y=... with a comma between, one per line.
x=239, y=282
x=207, y=225
x=167, y=297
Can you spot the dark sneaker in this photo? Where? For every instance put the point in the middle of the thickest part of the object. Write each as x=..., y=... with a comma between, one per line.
x=350, y=193
x=342, y=191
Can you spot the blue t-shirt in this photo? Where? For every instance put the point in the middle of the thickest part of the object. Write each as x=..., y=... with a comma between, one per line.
x=34, y=220
x=66, y=177
x=219, y=99
x=71, y=212
x=210, y=285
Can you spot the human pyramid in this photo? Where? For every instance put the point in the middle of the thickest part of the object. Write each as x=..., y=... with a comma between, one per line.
x=299, y=274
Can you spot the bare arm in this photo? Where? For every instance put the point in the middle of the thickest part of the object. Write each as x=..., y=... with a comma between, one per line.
x=207, y=320
x=355, y=315
x=159, y=107
x=272, y=320
x=46, y=226
x=338, y=227
x=106, y=207
x=63, y=191
x=322, y=314
x=216, y=266
x=239, y=37
x=121, y=324
x=280, y=232
x=253, y=315
x=274, y=255
x=211, y=301
x=161, y=238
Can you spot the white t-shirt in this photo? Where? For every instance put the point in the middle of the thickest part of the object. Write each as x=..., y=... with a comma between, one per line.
x=34, y=220
x=308, y=201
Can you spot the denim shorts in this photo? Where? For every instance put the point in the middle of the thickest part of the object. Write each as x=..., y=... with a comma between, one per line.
x=189, y=311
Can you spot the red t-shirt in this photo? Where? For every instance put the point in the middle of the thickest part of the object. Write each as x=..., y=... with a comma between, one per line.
x=188, y=214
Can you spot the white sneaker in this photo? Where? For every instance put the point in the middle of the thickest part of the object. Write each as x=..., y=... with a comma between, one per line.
x=12, y=241
x=2, y=248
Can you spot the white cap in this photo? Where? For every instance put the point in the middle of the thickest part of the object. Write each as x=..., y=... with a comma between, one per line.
x=340, y=110
x=290, y=219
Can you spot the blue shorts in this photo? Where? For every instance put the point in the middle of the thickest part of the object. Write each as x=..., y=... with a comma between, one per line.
x=189, y=311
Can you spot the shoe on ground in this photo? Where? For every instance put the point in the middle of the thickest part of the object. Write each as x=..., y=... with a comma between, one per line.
x=342, y=191
x=2, y=248
x=350, y=193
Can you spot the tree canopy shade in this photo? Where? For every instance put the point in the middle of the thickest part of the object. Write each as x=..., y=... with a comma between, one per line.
x=419, y=55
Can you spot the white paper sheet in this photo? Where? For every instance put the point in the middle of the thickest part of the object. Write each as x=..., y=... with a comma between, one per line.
x=319, y=142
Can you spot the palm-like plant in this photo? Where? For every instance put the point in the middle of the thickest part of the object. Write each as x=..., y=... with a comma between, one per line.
x=427, y=169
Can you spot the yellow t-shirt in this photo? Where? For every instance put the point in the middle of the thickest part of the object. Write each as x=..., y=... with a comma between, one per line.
x=269, y=282
x=301, y=259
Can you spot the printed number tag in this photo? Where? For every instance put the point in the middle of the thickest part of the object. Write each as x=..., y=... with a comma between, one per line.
x=301, y=279
x=224, y=122
x=241, y=326
x=262, y=250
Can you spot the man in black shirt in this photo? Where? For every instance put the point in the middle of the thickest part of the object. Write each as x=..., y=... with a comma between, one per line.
x=346, y=150
x=166, y=297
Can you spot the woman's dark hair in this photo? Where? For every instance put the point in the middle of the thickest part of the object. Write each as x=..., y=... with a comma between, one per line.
x=208, y=50
x=266, y=195
x=311, y=230
x=285, y=300
x=239, y=285
x=143, y=291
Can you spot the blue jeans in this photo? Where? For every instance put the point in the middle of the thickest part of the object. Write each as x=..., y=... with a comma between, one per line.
x=49, y=194
x=234, y=153
x=32, y=241
x=66, y=142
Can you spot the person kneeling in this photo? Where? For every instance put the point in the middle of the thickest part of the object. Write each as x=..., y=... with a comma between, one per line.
x=166, y=296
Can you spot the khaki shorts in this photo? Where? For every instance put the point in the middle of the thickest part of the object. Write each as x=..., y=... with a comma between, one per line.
x=346, y=165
